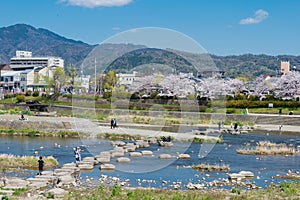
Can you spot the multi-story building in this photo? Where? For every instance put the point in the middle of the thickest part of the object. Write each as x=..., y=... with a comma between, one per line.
x=24, y=60
x=284, y=67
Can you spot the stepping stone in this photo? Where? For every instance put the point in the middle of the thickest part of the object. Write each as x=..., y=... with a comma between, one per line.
x=184, y=156
x=147, y=153
x=130, y=148
x=117, y=153
x=103, y=159
x=236, y=176
x=68, y=170
x=90, y=159
x=69, y=165
x=165, y=156
x=136, y=154
x=108, y=167
x=118, y=143
x=63, y=173
x=247, y=174
x=123, y=160
x=86, y=166
x=142, y=144
x=85, y=162
x=71, y=169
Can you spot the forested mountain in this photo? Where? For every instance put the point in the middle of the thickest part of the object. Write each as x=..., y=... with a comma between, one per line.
x=43, y=42
x=40, y=42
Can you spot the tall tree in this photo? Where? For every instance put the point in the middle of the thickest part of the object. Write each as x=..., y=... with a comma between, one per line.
x=72, y=72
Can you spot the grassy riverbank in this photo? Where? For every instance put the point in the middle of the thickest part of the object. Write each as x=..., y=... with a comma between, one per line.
x=290, y=190
x=36, y=133
x=25, y=162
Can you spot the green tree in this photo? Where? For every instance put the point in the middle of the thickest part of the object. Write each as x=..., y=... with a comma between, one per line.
x=109, y=82
x=72, y=73
x=58, y=79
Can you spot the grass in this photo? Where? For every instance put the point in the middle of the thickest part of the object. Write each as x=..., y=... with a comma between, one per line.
x=289, y=190
x=205, y=167
x=285, y=111
x=268, y=148
x=33, y=133
x=25, y=162
x=20, y=191
x=114, y=136
x=202, y=140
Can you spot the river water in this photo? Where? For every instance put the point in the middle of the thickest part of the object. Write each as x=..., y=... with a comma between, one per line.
x=152, y=168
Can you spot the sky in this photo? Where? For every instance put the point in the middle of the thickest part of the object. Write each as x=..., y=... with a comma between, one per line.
x=221, y=27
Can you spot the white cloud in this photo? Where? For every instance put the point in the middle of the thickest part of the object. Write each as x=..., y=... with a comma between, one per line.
x=258, y=17
x=96, y=3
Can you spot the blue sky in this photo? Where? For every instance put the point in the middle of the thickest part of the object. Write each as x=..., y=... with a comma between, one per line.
x=222, y=27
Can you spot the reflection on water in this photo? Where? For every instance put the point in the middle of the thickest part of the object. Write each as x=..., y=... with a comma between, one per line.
x=264, y=167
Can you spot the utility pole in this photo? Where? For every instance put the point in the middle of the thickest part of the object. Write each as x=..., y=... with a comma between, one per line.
x=95, y=77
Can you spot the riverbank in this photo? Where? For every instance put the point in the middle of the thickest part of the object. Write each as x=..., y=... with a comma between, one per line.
x=25, y=162
x=289, y=190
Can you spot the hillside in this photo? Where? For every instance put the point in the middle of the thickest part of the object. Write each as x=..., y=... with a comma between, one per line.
x=41, y=42
x=44, y=42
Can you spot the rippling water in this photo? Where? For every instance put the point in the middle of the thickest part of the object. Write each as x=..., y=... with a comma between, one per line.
x=151, y=168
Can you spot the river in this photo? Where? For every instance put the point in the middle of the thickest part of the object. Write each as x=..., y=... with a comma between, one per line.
x=152, y=168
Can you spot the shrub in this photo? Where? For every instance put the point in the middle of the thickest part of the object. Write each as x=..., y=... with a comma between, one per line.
x=28, y=93
x=35, y=93
x=230, y=111
x=20, y=98
x=116, y=191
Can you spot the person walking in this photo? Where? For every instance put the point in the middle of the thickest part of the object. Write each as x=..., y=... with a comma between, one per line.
x=41, y=165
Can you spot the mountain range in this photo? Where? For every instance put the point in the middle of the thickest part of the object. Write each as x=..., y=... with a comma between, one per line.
x=42, y=42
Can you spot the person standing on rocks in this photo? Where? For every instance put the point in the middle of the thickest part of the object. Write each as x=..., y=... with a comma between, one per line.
x=77, y=155
x=41, y=165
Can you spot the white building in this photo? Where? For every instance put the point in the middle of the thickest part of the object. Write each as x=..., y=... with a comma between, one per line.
x=24, y=60
x=34, y=79
x=10, y=80
x=127, y=79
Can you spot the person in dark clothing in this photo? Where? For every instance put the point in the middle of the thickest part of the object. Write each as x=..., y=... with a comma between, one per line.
x=115, y=123
x=41, y=165
x=236, y=127
x=111, y=123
